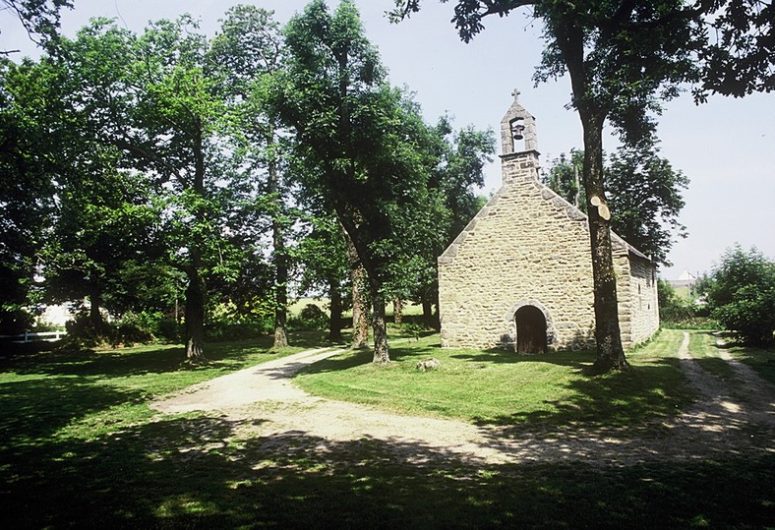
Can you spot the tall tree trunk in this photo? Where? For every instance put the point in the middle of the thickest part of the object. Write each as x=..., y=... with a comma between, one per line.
x=427, y=311
x=381, y=353
x=280, y=257
x=360, y=307
x=95, y=301
x=593, y=112
x=195, y=292
x=430, y=317
x=610, y=353
x=195, y=315
x=335, y=322
x=398, y=308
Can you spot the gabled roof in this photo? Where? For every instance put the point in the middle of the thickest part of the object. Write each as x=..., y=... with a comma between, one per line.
x=576, y=213
x=548, y=195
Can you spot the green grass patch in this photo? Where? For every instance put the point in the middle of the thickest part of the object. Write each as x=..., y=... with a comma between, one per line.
x=54, y=395
x=702, y=346
x=500, y=387
x=81, y=448
x=760, y=359
x=139, y=478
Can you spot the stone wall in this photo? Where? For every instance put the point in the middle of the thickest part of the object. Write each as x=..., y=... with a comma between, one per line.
x=644, y=305
x=528, y=246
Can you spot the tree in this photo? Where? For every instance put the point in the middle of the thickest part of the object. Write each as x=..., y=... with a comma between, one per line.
x=672, y=307
x=248, y=50
x=102, y=223
x=157, y=100
x=645, y=195
x=27, y=145
x=741, y=294
x=564, y=178
x=461, y=157
x=646, y=199
x=322, y=254
x=40, y=18
x=362, y=142
x=623, y=59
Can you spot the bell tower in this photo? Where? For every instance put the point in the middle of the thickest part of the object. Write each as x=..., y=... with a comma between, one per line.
x=518, y=129
x=519, y=154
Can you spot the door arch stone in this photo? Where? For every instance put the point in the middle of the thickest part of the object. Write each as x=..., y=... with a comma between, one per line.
x=531, y=330
x=543, y=325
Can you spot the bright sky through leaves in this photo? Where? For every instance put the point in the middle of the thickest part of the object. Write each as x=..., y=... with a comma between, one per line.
x=726, y=147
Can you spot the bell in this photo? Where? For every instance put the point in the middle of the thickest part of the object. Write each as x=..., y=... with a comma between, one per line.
x=517, y=130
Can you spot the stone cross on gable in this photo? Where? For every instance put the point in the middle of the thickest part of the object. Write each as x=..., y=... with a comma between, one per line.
x=516, y=94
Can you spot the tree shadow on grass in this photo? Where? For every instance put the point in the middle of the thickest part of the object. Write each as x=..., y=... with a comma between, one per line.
x=579, y=360
x=760, y=359
x=38, y=408
x=139, y=361
x=633, y=400
x=365, y=356
x=184, y=472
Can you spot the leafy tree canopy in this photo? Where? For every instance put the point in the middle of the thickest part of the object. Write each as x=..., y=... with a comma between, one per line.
x=741, y=294
x=644, y=195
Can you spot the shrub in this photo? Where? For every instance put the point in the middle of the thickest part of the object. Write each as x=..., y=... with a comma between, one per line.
x=741, y=295
x=132, y=328
x=673, y=308
x=82, y=332
x=14, y=320
x=222, y=327
x=311, y=317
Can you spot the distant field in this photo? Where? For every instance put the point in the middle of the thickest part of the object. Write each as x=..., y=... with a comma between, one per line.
x=410, y=308
x=684, y=292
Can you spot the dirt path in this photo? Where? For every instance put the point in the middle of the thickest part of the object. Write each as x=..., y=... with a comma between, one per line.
x=263, y=404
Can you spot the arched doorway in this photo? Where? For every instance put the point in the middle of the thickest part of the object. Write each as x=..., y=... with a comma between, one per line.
x=531, y=330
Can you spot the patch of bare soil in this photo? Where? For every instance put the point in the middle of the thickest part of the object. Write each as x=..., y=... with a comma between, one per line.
x=264, y=405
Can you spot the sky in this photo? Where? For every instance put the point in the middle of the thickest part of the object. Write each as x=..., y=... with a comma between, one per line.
x=726, y=147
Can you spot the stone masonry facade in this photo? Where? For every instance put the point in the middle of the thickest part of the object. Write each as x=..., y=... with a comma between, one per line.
x=528, y=246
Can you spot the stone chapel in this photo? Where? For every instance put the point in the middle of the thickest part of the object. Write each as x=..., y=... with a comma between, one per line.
x=519, y=276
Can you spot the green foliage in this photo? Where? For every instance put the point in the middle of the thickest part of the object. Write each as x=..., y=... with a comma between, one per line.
x=672, y=308
x=131, y=328
x=14, y=321
x=740, y=56
x=26, y=170
x=144, y=326
x=222, y=329
x=644, y=195
x=741, y=294
x=564, y=177
x=362, y=149
x=645, y=198
x=40, y=18
x=310, y=317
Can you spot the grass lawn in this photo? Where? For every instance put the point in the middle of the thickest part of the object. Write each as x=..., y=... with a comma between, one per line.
x=702, y=346
x=506, y=388
x=79, y=447
x=57, y=396
x=761, y=360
